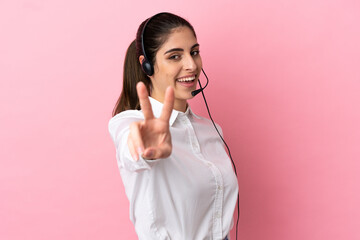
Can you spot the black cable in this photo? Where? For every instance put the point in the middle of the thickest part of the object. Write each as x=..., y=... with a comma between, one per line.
x=207, y=107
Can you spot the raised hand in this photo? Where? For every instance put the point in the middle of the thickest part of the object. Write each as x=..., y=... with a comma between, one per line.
x=151, y=137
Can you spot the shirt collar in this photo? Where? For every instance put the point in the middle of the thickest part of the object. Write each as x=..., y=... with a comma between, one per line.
x=157, y=107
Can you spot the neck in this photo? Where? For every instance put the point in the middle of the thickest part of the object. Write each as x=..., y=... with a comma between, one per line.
x=179, y=105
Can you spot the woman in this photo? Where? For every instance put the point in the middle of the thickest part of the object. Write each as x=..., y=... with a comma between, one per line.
x=177, y=175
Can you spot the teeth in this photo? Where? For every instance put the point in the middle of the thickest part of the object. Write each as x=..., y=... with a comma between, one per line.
x=187, y=79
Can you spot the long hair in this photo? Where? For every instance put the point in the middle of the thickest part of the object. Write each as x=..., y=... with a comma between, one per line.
x=155, y=35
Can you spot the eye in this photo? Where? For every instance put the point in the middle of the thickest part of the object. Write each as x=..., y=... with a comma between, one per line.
x=196, y=52
x=174, y=57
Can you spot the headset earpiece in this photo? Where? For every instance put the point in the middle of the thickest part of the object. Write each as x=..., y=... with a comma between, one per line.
x=147, y=67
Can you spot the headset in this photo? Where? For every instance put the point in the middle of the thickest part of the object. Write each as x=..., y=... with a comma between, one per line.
x=148, y=69
x=146, y=65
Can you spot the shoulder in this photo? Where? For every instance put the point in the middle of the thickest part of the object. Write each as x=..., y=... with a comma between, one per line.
x=128, y=114
x=124, y=119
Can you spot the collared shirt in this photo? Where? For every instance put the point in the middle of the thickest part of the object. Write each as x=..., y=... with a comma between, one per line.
x=188, y=196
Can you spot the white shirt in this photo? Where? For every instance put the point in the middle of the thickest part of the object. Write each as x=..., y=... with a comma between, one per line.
x=190, y=195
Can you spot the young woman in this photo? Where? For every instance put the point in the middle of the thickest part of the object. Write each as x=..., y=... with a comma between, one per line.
x=177, y=175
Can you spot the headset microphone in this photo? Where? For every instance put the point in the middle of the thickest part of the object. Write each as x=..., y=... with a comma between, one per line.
x=194, y=93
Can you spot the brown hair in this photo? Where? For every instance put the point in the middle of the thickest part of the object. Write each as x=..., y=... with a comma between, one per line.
x=156, y=32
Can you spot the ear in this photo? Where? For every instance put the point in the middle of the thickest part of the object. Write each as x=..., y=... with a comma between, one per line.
x=141, y=59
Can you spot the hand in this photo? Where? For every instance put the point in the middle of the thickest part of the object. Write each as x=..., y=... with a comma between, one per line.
x=151, y=137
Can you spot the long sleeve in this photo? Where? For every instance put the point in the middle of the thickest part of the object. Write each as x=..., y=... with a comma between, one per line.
x=119, y=131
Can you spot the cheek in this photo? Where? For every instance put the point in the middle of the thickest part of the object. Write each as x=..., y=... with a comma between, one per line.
x=171, y=71
x=167, y=72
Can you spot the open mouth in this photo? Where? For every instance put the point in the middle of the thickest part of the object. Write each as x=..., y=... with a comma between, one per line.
x=186, y=79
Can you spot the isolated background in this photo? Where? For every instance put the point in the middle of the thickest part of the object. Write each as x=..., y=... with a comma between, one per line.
x=284, y=85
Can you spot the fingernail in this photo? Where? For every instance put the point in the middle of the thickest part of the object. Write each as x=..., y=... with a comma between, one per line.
x=150, y=153
x=135, y=157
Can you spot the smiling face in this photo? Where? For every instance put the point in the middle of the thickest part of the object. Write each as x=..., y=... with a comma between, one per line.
x=177, y=64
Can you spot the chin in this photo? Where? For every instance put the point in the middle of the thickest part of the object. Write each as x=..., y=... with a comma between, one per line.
x=185, y=96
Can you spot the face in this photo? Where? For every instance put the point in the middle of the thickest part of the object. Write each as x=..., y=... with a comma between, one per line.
x=177, y=64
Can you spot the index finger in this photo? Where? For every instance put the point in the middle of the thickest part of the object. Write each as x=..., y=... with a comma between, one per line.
x=144, y=100
x=168, y=104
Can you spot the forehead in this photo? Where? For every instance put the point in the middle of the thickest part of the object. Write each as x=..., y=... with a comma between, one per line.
x=181, y=37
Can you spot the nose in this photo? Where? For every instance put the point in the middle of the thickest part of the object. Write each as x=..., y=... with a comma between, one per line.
x=189, y=63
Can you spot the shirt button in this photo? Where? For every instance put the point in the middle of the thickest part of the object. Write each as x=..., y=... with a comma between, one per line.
x=218, y=215
x=220, y=187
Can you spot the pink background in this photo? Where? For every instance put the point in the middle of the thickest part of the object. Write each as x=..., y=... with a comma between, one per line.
x=284, y=85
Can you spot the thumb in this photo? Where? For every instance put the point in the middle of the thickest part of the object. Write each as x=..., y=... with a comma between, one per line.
x=156, y=153
x=149, y=154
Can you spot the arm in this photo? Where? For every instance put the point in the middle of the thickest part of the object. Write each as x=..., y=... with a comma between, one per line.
x=142, y=140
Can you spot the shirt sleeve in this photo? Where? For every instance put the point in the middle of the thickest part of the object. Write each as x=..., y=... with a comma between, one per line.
x=119, y=128
x=125, y=159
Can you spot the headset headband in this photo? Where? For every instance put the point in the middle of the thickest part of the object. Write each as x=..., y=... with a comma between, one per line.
x=146, y=65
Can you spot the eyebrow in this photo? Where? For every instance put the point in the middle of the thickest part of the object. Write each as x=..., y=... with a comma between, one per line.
x=180, y=49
